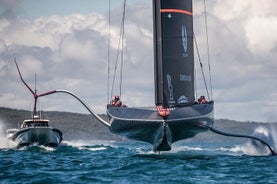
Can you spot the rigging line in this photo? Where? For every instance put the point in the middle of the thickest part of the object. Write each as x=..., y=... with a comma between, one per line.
x=118, y=46
x=122, y=46
x=208, y=47
x=201, y=66
x=195, y=84
x=109, y=52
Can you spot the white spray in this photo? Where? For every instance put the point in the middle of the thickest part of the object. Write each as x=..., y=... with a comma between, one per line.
x=254, y=147
x=5, y=143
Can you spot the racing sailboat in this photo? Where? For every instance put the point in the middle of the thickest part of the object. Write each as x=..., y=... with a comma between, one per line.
x=177, y=115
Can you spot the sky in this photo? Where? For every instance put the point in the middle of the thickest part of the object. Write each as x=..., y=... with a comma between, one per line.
x=65, y=43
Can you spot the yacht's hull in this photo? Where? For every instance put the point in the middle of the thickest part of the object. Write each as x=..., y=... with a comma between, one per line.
x=148, y=126
x=46, y=136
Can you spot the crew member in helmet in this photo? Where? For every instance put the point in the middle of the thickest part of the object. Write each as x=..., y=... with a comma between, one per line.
x=116, y=101
x=202, y=100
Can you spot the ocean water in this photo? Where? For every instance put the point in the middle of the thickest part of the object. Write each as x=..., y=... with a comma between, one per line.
x=194, y=161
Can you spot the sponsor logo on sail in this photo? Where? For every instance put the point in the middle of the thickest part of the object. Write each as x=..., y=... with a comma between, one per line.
x=185, y=41
x=182, y=100
x=170, y=87
x=185, y=78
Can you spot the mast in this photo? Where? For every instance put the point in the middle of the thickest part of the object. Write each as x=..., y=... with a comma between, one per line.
x=173, y=52
x=158, y=67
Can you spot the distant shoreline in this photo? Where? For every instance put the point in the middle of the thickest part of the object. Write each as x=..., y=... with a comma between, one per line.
x=77, y=126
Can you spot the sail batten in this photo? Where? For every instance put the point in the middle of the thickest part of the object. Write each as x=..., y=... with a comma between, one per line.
x=174, y=60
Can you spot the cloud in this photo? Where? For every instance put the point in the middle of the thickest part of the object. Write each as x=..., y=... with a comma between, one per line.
x=9, y=8
x=242, y=44
x=71, y=52
x=260, y=32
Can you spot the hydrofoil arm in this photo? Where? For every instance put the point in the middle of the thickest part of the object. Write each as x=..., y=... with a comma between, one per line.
x=85, y=105
x=213, y=129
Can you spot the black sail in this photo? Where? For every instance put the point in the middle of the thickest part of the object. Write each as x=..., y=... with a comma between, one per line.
x=173, y=48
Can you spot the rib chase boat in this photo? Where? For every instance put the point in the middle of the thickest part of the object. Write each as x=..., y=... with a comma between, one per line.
x=35, y=130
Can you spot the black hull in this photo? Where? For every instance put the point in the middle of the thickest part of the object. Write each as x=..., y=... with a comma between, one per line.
x=148, y=126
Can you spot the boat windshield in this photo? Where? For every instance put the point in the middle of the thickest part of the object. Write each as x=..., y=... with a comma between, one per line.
x=32, y=123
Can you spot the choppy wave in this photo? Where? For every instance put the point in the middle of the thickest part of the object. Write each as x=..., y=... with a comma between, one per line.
x=134, y=162
x=97, y=161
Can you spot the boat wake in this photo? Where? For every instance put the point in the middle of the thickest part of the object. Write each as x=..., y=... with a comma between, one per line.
x=267, y=134
x=254, y=147
x=37, y=148
x=94, y=145
x=5, y=142
x=250, y=147
x=245, y=149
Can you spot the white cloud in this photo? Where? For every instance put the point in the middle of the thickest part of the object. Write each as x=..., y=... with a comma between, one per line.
x=261, y=34
x=255, y=20
x=229, y=10
x=243, y=51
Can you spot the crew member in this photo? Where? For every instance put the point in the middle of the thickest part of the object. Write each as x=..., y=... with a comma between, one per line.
x=202, y=100
x=116, y=101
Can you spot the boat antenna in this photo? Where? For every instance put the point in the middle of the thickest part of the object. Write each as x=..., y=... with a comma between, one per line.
x=208, y=47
